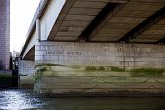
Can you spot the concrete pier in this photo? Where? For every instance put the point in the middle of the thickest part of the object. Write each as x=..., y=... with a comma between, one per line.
x=98, y=67
x=96, y=46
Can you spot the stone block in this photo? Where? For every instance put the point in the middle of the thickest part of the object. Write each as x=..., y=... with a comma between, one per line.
x=99, y=53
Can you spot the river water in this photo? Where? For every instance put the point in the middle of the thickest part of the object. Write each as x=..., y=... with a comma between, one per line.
x=24, y=99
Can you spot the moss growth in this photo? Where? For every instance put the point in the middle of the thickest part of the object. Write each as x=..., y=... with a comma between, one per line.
x=140, y=72
x=101, y=68
x=95, y=68
x=5, y=78
x=47, y=65
x=38, y=73
x=117, y=69
x=90, y=68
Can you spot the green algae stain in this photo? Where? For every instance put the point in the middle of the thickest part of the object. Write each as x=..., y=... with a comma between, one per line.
x=140, y=72
x=117, y=69
x=38, y=72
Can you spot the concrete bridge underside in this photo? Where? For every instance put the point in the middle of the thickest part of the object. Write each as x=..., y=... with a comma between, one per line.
x=96, y=46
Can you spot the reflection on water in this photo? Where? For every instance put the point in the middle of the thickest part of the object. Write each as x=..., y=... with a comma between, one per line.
x=17, y=99
x=24, y=99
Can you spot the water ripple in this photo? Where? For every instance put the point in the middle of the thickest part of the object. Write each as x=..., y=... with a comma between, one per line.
x=24, y=99
x=15, y=100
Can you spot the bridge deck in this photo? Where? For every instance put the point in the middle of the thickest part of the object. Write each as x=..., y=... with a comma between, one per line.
x=131, y=21
x=115, y=21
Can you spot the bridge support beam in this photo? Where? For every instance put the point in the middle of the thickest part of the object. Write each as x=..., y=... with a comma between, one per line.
x=70, y=67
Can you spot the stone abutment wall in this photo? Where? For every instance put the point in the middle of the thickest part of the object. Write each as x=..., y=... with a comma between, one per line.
x=85, y=68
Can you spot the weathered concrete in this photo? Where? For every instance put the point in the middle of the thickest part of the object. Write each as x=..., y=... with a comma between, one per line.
x=89, y=67
x=100, y=54
x=93, y=79
x=26, y=72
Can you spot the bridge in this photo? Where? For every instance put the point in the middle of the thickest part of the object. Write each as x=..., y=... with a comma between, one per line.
x=96, y=46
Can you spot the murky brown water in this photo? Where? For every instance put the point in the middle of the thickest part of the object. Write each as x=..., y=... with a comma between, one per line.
x=24, y=99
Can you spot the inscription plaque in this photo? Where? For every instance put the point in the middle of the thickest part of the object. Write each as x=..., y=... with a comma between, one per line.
x=61, y=52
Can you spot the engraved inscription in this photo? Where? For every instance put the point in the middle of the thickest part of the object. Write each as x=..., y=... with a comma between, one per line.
x=74, y=53
x=57, y=52
x=60, y=52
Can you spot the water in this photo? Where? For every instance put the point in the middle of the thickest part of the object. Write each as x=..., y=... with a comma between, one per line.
x=24, y=99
